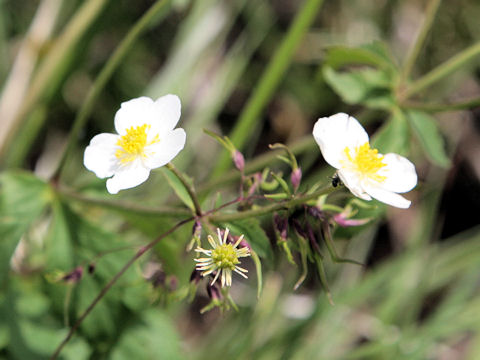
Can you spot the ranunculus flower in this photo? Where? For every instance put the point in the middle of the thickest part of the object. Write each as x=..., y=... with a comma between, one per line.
x=345, y=145
x=145, y=140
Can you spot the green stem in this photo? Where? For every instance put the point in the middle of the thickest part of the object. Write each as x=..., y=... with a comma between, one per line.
x=422, y=34
x=107, y=71
x=442, y=70
x=269, y=81
x=271, y=208
x=123, y=206
x=463, y=105
x=305, y=144
x=188, y=187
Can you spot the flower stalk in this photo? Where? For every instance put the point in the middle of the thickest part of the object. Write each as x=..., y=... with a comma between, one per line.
x=442, y=71
x=190, y=189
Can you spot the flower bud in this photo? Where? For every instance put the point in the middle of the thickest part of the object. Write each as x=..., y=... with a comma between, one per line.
x=197, y=228
x=299, y=229
x=196, y=235
x=316, y=212
x=91, y=268
x=173, y=283
x=73, y=276
x=342, y=220
x=213, y=292
x=313, y=239
x=281, y=225
x=238, y=160
x=257, y=179
x=244, y=244
x=296, y=178
x=196, y=276
x=158, y=278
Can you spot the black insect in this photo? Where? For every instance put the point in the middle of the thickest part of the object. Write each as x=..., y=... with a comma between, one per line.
x=336, y=180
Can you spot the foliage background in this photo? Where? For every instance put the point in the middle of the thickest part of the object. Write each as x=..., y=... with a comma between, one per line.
x=237, y=73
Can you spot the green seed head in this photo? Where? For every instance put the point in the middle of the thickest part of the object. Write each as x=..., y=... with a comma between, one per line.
x=225, y=257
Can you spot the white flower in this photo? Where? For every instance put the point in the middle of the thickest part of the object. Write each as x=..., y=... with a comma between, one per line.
x=345, y=146
x=145, y=140
x=223, y=258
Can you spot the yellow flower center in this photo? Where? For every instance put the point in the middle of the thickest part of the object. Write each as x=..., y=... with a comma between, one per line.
x=133, y=143
x=225, y=257
x=365, y=161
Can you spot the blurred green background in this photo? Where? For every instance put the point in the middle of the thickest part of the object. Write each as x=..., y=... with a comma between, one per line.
x=261, y=72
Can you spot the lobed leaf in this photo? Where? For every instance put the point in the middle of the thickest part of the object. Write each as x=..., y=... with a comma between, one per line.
x=429, y=136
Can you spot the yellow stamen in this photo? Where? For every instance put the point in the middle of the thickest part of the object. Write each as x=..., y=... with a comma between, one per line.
x=225, y=257
x=365, y=161
x=132, y=144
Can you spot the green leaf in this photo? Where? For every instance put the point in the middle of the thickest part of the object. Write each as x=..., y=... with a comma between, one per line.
x=254, y=235
x=10, y=234
x=373, y=54
x=23, y=196
x=154, y=337
x=178, y=188
x=393, y=136
x=59, y=247
x=172, y=248
x=4, y=336
x=101, y=321
x=364, y=86
x=428, y=134
x=85, y=242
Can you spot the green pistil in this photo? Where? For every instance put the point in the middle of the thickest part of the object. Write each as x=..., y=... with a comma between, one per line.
x=225, y=257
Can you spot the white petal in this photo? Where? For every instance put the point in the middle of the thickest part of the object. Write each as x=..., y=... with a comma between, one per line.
x=388, y=197
x=164, y=151
x=135, y=112
x=333, y=134
x=167, y=110
x=99, y=156
x=127, y=177
x=400, y=174
x=353, y=183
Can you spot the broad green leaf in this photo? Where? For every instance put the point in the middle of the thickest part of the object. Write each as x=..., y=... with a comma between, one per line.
x=104, y=317
x=154, y=337
x=4, y=336
x=23, y=196
x=59, y=246
x=178, y=187
x=365, y=86
x=90, y=243
x=10, y=234
x=171, y=249
x=393, y=136
x=254, y=235
x=428, y=134
x=27, y=329
x=373, y=54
